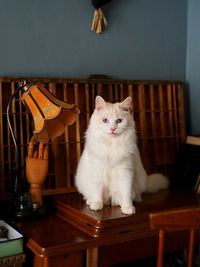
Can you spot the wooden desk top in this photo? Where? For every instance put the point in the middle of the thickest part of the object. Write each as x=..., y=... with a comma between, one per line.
x=53, y=235
x=72, y=208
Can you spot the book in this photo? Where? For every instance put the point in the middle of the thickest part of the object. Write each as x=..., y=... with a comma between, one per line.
x=193, y=140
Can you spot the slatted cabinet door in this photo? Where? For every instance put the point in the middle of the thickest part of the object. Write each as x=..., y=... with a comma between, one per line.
x=158, y=110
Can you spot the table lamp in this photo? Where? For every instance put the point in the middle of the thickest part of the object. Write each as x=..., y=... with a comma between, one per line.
x=50, y=116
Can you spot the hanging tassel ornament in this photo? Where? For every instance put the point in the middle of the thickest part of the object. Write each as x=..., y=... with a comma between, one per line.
x=99, y=21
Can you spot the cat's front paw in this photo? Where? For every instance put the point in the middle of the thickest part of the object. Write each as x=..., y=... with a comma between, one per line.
x=128, y=209
x=97, y=205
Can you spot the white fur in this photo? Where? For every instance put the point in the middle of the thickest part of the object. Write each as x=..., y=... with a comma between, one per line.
x=110, y=168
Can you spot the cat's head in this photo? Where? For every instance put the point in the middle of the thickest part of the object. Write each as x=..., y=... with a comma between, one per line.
x=112, y=119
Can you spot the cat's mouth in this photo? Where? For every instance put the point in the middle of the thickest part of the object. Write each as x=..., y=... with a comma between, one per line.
x=113, y=133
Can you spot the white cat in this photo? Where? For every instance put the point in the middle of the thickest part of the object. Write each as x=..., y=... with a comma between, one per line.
x=110, y=168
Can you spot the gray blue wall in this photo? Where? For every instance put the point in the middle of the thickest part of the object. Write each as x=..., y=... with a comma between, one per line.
x=145, y=39
x=193, y=64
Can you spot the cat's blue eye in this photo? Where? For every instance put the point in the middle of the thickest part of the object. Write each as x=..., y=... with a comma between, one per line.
x=118, y=120
x=105, y=120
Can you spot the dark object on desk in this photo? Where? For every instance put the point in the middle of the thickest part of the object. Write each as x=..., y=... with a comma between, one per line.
x=36, y=212
x=9, y=213
x=32, y=214
x=176, y=220
x=23, y=202
x=24, y=208
x=186, y=169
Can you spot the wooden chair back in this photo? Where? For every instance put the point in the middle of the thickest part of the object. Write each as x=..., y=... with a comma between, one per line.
x=176, y=220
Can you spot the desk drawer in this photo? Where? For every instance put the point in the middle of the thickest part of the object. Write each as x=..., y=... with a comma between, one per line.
x=67, y=260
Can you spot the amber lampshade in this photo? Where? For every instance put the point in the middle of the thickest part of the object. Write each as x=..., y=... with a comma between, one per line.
x=49, y=114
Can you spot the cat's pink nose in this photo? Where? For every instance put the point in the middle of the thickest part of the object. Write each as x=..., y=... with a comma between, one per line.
x=112, y=129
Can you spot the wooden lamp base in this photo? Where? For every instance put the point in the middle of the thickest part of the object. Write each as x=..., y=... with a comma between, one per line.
x=36, y=172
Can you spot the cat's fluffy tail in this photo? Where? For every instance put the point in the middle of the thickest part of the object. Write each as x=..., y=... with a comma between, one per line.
x=156, y=182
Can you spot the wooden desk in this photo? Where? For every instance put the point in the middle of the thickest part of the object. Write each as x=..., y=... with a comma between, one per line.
x=56, y=242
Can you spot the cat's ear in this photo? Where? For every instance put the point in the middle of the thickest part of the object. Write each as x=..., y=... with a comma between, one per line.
x=100, y=103
x=126, y=104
